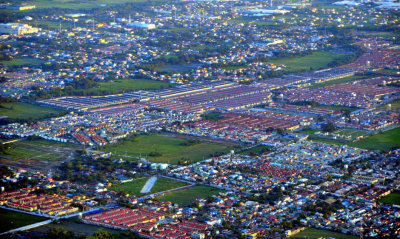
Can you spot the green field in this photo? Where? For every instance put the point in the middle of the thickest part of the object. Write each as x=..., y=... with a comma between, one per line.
x=337, y=107
x=317, y=60
x=395, y=105
x=170, y=149
x=308, y=131
x=256, y=150
x=73, y=4
x=39, y=150
x=187, y=196
x=382, y=141
x=11, y=220
x=339, y=81
x=24, y=111
x=51, y=143
x=125, y=85
x=234, y=67
x=21, y=62
x=30, y=153
x=134, y=187
x=313, y=233
x=393, y=198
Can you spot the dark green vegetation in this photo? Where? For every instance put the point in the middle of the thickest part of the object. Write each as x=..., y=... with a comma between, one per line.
x=313, y=233
x=384, y=141
x=24, y=111
x=82, y=231
x=166, y=149
x=214, y=116
x=187, y=196
x=134, y=187
x=257, y=150
x=124, y=85
x=393, y=198
x=316, y=60
x=12, y=220
x=74, y=170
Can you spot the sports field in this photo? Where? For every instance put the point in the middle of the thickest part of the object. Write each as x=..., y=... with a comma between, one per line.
x=24, y=111
x=12, y=220
x=166, y=149
x=312, y=233
x=187, y=196
x=124, y=85
x=134, y=187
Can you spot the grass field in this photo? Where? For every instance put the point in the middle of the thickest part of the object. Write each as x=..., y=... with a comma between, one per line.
x=177, y=68
x=24, y=111
x=390, y=71
x=21, y=62
x=125, y=85
x=30, y=153
x=73, y=4
x=39, y=150
x=187, y=196
x=234, y=67
x=308, y=131
x=337, y=107
x=256, y=150
x=50, y=143
x=171, y=149
x=395, y=105
x=313, y=233
x=317, y=60
x=339, y=81
x=393, y=198
x=11, y=220
x=134, y=187
x=382, y=141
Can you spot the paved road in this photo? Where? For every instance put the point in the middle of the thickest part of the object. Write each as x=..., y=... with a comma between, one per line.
x=27, y=227
x=149, y=185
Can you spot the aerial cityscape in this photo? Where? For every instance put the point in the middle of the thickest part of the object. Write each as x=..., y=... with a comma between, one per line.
x=199, y=119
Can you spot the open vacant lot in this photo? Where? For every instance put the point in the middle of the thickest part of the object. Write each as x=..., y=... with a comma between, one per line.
x=24, y=111
x=317, y=60
x=21, y=62
x=313, y=233
x=73, y=4
x=11, y=220
x=187, y=196
x=166, y=149
x=124, y=85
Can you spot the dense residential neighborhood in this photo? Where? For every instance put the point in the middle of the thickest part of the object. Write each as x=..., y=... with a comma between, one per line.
x=199, y=119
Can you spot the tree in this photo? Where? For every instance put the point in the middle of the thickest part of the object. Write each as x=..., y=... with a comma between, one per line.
x=329, y=127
